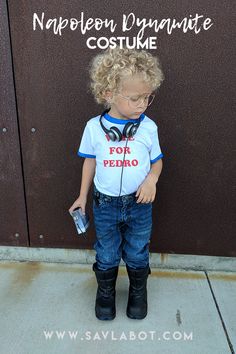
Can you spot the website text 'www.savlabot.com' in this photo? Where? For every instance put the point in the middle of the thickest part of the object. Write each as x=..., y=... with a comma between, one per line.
x=117, y=336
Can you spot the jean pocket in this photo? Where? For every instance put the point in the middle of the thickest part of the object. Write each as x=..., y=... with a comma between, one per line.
x=144, y=206
x=101, y=200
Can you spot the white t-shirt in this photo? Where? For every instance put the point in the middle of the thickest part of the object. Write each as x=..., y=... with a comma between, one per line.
x=142, y=150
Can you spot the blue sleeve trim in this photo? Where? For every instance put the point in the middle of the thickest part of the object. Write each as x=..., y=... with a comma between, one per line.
x=85, y=155
x=157, y=158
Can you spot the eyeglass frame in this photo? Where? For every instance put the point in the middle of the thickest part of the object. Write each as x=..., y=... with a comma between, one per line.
x=128, y=98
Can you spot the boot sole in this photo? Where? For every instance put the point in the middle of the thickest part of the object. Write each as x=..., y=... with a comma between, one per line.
x=106, y=318
x=135, y=317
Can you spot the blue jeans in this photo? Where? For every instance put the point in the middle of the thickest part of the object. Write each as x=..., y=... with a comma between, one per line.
x=123, y=230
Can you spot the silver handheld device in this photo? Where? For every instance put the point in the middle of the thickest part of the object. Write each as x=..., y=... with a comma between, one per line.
x=81, y=221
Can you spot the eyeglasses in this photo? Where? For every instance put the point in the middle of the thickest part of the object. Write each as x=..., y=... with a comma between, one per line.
x=135, y=101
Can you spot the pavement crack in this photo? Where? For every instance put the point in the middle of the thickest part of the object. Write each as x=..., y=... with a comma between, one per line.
x=220, y=315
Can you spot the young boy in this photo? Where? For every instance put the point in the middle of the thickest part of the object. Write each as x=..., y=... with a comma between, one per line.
x=124, y=160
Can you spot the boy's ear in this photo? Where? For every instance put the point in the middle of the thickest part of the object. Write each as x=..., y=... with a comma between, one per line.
x=108, y=95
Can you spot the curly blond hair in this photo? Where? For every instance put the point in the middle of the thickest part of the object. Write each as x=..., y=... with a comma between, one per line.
x=108, y=68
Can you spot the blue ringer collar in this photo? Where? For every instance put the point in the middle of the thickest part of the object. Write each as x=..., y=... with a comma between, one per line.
x=123, y=121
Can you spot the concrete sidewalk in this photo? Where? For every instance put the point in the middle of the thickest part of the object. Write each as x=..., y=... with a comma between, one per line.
x=48, y=308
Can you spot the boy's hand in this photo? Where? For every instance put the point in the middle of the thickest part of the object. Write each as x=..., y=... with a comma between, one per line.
x=146, y=191
x=79, y=203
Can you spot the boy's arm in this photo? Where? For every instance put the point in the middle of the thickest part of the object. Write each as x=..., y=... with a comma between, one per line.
x=155, y=171
x=147, y=190
x=88, y=173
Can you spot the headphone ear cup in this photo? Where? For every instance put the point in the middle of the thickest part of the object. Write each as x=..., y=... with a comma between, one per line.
x=111, y=135
x=116, y=133
x=128, y=130
x=133, y=130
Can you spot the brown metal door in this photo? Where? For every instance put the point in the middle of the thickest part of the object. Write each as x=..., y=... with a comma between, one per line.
x=194, y=211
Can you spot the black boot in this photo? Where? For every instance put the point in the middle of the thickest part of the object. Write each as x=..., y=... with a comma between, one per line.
x=105, y=307
x=137, y=302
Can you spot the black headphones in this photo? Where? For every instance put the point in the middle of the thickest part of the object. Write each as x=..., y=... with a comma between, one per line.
x=114, y=133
